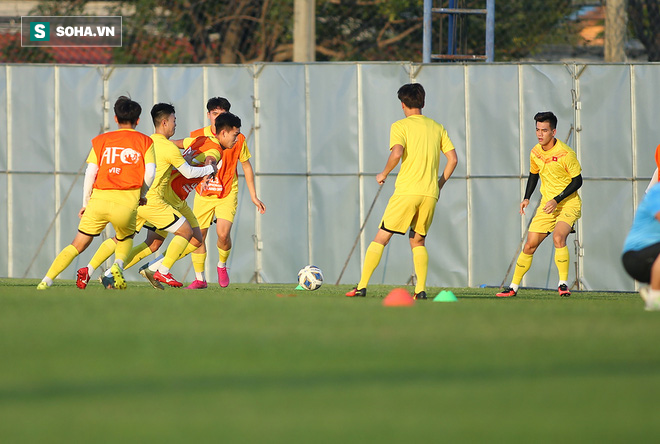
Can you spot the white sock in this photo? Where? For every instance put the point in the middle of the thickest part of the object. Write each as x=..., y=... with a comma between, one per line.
x=154, y=265
x=562, y=283
x=222, y=264
x=514, y=286
x=90, y=269
x=200, y=276
x=654, y=295
x=47, y=280
x=120, y=263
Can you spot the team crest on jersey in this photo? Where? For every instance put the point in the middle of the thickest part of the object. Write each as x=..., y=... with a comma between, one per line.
x=125, y=155
x=129, y=155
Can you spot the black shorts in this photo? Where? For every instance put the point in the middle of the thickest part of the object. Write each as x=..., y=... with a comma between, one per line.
x=638, y=263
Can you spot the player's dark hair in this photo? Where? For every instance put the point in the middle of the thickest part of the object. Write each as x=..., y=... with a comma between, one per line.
x=218, y=102
x=226, y=121
x=160, y=112
x=547, y=116
x=412, y=95
x=127, y=110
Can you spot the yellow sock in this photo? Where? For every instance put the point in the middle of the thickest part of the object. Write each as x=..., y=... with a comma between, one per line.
x=63, y=260
x=371, y=261
x=123, y=251
x=421, y=263
x=102, y=254
x=223, y=255
x=174, y=250
x=198, y=261
x=523, y=264
x=189, y=249
x=199, y=264
x=137, y=254
x=561, y=260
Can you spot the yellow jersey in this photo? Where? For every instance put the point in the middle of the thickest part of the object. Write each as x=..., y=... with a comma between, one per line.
x=556, y=168
x=423, y=141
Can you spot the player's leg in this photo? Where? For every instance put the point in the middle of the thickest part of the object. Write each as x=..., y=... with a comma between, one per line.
x=164, y=217
x=225, y=211
x=420, y=262
x=204, y=211
x=199, y=282
x=182, y=235
x=196, y=239
x=151, y=244
x=396, y=219
x=103, y=252
x=223, y=230
x=419, y=228
x=80, y=242
x=644, y=266
x=559, y=235
x=542, y=225
x=371, y=260
x=124, y=221
x=652, y=297
x=198, y=257
x=92, y=223
x=523, y=263
x=567, y=213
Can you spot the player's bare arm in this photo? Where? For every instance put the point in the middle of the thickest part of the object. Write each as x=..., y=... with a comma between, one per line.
x=249, y=181
x=392, y=162
x=452, y=161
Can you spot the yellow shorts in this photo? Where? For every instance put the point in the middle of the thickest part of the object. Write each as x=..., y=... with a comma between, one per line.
x=206, y=208
x=187, y=212
x=409, y=211
x=159, y=213
x=182, y=208
x=567, y=211
x=100, y=212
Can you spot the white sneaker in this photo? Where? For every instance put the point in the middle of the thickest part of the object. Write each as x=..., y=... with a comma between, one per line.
x=650, y=304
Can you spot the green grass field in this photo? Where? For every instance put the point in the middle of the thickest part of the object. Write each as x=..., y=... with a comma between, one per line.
x=266, y=363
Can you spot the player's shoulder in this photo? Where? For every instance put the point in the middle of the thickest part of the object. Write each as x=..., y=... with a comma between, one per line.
x=204, y=131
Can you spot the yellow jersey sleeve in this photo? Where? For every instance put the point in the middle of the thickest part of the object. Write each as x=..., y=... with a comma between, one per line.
x=149, y=156
x=533, y=167
x=397, y=135
x=445, y=144
x=245, y=153
x=571, y=164
x=91, y=158
x=171, y=155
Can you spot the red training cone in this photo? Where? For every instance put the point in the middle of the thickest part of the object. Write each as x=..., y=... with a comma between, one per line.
x=398, y=297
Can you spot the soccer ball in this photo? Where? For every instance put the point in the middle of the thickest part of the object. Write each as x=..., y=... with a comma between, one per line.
x=310, y=277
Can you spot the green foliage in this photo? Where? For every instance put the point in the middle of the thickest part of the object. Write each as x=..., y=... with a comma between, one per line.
x=13, y=52
x=378, y=30
x=247, y=31
x=644, y=17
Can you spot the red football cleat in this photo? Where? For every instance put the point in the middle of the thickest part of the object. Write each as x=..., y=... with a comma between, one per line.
x=564, y=291
x=82, y=278
x=167, y=279
x=507, y=293
x=362, y=292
